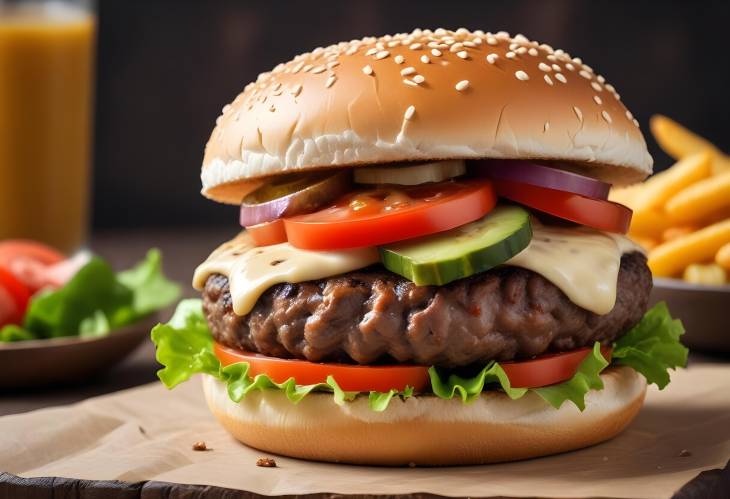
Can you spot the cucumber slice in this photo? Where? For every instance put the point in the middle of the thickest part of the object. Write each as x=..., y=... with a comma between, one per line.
x=412, y=174
x=467, y=250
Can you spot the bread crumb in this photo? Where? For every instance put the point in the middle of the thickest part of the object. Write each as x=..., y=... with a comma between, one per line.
x=266, y=462
x=684, y=453
x=200, y=446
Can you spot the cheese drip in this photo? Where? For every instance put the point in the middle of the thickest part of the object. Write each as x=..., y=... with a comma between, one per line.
x=583, y=263
x=251, y=270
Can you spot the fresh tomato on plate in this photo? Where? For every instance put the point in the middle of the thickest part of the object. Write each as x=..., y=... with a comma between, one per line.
x=541, y=371
x=14, y=297
x=28, y=261
x=389, y=213
x=596, y=213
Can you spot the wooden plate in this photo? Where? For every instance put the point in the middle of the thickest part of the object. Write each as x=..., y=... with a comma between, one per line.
x=65, y=360
x=704, y=310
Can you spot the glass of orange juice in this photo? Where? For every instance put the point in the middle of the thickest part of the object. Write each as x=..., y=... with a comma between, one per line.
x=46, y=94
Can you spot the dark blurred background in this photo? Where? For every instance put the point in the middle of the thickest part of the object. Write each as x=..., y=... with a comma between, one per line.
x=167, y=67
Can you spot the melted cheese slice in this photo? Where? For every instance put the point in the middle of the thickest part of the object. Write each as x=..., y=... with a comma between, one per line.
x=252, y=270
x=581, y=262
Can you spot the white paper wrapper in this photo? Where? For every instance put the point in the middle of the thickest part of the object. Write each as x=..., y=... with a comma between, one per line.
x=147, y=433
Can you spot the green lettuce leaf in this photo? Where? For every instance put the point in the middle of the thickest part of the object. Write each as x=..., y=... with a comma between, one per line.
x=96, y=300
x=586, y=378
x=652, y=347
x=185, y=347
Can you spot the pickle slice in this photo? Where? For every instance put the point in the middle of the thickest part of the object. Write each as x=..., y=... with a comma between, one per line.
x=457, y=253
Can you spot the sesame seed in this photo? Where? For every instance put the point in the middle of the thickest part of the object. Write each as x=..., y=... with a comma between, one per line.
x=577, y=60
x=382, y=54
x=606, y=116
x=415, y=46
x=588, y=68
x=510, y=55
x=333, y=64
x=367, y=70
x=513, y=46
x=276, y=92
x=533, y=52
x=629, y=115
x=436, y=52
x=492, y=58
x=425, y=59
x=561, y=78
x=546, y=126
x=544, y=67
x=521, y=75
x=547, y=48
x=410, y=82
x=455, y=47
x=601, y=79
x=419, y=79
x=556, y=67
x=462, y=85
x=227, y=107
x=462, y=54
x=551, y=57
x=371, y=51
x=296, y=90
x=610, y=88
x=635, y=122
x=578, y=113
x=596, y=87
x=521, y=50
x=307, y=67
x=351, y=50
x=330, y=81
x=477, y=41
x=318, y=69
x=492, y=41
x=394, y=43
x=585, y=74
x=298, y=67
x=547, y=79
x=399, y=59
x=272, y=108
x=380, y=45
x=617, y=96
x=570, y=67
x=409, y=112
x=521, y=38
x=597, y=99
x=407, y=71
x=469, y=44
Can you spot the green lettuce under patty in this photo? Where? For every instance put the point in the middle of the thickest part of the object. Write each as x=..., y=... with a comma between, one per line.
x=652, y=347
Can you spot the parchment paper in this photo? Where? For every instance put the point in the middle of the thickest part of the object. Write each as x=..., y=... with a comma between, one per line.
x=146, y=433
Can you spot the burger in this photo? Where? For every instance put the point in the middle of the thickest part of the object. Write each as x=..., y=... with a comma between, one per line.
x=430, y=270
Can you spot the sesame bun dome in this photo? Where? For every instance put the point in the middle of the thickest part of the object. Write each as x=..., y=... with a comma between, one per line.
x=426, y=95
x=426, y=430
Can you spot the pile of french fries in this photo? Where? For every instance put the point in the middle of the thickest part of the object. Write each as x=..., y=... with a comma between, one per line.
x=682, y=214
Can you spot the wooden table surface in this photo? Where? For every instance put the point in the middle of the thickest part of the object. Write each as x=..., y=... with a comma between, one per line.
x=183, y=250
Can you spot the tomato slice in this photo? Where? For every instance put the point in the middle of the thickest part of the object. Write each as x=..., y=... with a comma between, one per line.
x=28, y=260
x=540, y=371
x=596, y=213
x=351, y=378
x=548, y=369
x=14, y=297
x=385, y=214
x=268, y=233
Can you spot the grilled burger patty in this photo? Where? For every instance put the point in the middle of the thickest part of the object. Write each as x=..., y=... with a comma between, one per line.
x=373, y=315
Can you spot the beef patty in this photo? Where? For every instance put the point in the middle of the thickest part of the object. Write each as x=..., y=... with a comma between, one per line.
x=373, y=315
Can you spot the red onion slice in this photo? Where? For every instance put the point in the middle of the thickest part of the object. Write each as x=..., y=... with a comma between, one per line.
x=287, y=196
x=544, y=176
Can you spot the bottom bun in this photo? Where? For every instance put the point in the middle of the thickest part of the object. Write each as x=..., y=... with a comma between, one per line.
x=426, y=430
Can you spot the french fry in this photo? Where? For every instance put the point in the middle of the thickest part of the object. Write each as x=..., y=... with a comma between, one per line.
x=670, y=258
x=649, y=223
x=700, y=200
x=661, y=187
x=722, y=258
x=709, y=274
x=676, y=232
x=647, y=243
x=679, y=142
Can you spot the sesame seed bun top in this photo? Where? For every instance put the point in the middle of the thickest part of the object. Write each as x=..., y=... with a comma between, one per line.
x=423, y=95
